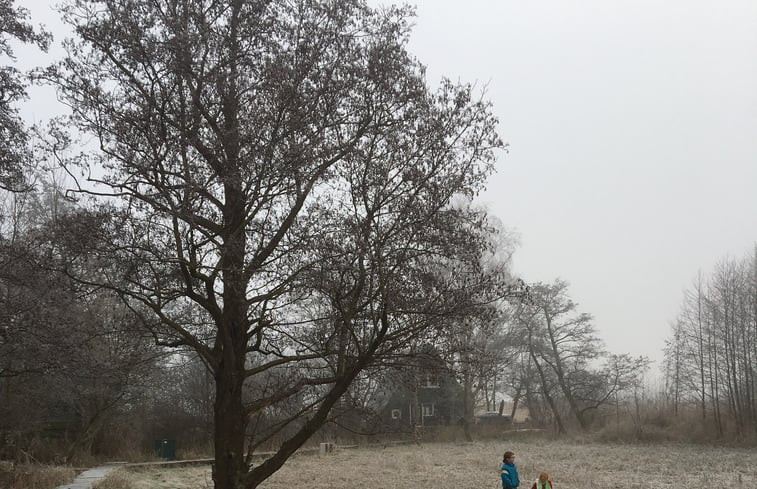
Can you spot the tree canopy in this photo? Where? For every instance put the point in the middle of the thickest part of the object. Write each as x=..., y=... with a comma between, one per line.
x=14, y=150
x=265, y=158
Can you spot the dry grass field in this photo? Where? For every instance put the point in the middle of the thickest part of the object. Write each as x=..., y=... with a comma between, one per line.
x=572, y=465
x=34, y=476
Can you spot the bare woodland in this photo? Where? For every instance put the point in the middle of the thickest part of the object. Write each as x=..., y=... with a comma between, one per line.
x=255, y=211
x=710, y=357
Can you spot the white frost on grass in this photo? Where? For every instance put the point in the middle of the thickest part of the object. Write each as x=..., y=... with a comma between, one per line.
x=571, y=465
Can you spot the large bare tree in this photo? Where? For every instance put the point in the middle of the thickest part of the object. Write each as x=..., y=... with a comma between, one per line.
x=241, y=141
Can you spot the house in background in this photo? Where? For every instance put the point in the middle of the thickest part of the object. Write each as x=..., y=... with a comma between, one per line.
x=425, y=394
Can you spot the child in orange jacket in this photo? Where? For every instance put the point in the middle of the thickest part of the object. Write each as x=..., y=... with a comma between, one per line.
x=543, y=482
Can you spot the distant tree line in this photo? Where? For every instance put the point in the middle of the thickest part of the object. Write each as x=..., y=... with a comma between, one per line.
x=560, y=369
x=711, y=355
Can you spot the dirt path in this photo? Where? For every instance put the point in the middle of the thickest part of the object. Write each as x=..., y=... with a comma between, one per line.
x=87, y=479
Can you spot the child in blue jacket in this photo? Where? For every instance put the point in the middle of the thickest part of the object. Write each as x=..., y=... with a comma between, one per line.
x=509, y=472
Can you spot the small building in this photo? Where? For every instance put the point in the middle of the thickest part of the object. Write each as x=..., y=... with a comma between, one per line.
x=521, y=412
x=425, y=394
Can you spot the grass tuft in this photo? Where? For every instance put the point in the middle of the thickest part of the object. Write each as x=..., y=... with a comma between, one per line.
x=116, y=479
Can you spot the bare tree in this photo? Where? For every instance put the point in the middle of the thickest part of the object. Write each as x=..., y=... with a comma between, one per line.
x=567, y=341
x=717, y=336
x=238, y=136
x=14, y=150
x=562, y=354
x=673, y=367
x=69, y=352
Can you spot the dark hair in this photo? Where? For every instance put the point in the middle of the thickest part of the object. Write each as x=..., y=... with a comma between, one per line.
x=507, y=455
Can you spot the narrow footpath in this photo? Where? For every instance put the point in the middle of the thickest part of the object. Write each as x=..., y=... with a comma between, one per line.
x=88, y=478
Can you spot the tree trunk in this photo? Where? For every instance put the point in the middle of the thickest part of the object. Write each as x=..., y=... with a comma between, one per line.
x=468, y=407
x=231, y=342
x=516, y=400
x=701, y=352
x=229, y=430
x=559, y=372
x=547, y=396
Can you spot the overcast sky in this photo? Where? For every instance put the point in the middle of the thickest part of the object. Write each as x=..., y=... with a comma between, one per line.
x=633, y=140
x=633, y=133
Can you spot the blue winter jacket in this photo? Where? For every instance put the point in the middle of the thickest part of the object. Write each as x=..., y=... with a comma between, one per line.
x=510, y=478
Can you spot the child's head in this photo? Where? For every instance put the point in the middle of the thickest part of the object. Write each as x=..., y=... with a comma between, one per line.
x=543, y=477
x=508, y=457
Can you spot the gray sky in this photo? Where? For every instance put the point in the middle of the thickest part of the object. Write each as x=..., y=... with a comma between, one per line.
x=633, y=133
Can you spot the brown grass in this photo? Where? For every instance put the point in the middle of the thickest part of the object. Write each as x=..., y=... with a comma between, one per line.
x=158, y=478
x=34, y=476
x=572, y=465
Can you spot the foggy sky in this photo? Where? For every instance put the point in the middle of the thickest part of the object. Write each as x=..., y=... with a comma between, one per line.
x=633, y=133
x=633, y=140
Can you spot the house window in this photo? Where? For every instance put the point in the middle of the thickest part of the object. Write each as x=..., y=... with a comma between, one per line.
x=427, y=410
x=431, y=381
x=396, y=414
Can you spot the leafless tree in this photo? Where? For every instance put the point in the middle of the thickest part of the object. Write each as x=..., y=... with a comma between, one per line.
x=717, y=340
x=14, y=151
x=242, y=139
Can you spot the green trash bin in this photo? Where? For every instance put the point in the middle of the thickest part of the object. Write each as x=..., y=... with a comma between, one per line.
x=166, y=449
